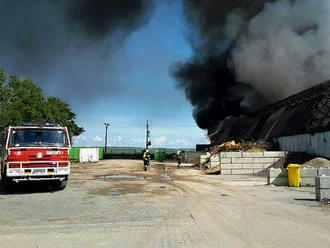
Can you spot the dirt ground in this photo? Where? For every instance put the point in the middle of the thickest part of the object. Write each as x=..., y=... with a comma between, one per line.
x=114, y=204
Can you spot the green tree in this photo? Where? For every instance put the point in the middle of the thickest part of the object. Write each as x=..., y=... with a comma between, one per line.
x=21, y=100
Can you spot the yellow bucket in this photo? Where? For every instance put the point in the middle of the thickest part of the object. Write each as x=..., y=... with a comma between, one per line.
x=294, y=175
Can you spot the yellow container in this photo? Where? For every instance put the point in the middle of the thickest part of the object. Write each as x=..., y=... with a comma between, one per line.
x=294, y=175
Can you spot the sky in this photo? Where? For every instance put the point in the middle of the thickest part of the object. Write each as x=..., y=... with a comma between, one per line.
x=115, y=61
x=147, y=92
x=122, y=78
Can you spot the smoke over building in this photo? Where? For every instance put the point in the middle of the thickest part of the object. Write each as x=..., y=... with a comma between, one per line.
x=248, y=54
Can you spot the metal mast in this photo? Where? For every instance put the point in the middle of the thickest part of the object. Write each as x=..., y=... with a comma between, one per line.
x=148, y=143
x=106, y=137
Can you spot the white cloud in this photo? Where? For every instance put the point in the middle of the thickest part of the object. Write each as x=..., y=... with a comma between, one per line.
x=160, y=140
x=183, y=142
x=84, y=138
x=116, y=140
x=97, y=139
x=138, y=142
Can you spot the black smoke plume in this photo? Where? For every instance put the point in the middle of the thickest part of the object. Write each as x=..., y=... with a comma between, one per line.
x=101, y=17
x=68, y=43
x=248, y=53
x=208, y=78
x=210, y=86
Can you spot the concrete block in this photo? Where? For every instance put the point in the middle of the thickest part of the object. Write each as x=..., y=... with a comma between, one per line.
x=230, y=154
x=253, y=166
x=307, y=182
x=225, y=160
x=278, y=173
x=255, y=171
x=241, y=172
x=323, y=171
x=253, y=154
x=308, y=172
x=322, y=182
x=278, y=181
x=215, y=159
x=203, y=158
x=225, y=172
x=274, y=154
x=242, y=160
x=263, y=160
x=231, y=166
x=322, y=194
x=213, y=164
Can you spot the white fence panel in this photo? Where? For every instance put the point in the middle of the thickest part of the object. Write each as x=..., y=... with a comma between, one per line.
x=89, y=155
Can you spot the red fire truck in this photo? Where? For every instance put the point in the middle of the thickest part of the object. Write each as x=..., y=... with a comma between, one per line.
x=35, y=153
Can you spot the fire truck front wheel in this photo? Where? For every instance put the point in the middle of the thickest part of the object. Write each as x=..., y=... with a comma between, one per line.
x=7, y=183
x=60, y=185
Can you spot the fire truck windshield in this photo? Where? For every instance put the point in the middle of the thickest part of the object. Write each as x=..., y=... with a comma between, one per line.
x=38, y=138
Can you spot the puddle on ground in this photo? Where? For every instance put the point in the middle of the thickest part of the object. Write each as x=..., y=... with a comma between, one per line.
x=115, y=191
x=166, y=177
x=122, y=189
x=124, y=177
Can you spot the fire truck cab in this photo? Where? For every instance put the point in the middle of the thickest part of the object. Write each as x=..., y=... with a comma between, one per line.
x=35, y=153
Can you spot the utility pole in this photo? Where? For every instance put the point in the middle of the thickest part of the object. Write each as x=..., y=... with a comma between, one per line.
x=106, y=138
x=148, y=143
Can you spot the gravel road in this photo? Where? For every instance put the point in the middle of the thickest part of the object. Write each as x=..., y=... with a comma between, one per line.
x=114, y=204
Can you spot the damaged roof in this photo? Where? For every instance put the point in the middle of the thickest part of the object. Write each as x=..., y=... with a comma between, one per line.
x=305, y=112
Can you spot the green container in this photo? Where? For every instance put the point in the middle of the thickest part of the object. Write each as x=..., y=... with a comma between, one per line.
x=74, y=153
x=160, y=154
x=101, y=152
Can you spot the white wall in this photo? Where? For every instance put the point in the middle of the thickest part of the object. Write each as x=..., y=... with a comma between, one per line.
x=316, y=144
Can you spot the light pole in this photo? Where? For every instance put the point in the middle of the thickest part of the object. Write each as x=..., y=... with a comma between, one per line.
x=148, y=143
x=106, y=138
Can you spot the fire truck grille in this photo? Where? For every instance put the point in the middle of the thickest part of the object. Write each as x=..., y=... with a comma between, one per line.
x=34, y=165
x=34, y=157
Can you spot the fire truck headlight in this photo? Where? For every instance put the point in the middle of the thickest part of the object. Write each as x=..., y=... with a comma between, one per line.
x=63, y=169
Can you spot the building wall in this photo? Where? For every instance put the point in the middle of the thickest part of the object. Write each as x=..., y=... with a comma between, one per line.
x=316, y=144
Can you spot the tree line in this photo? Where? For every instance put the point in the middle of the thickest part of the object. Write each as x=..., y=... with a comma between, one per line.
x=21, y=100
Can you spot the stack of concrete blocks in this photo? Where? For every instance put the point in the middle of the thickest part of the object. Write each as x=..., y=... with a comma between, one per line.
x=214, y=160
x=322, y=185
x=279, y=177
x=247, y=162
x=204, y=157
x=307, y=177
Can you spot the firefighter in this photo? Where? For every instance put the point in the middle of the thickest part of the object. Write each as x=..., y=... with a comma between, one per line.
x=146, y=159
x=179, y=158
